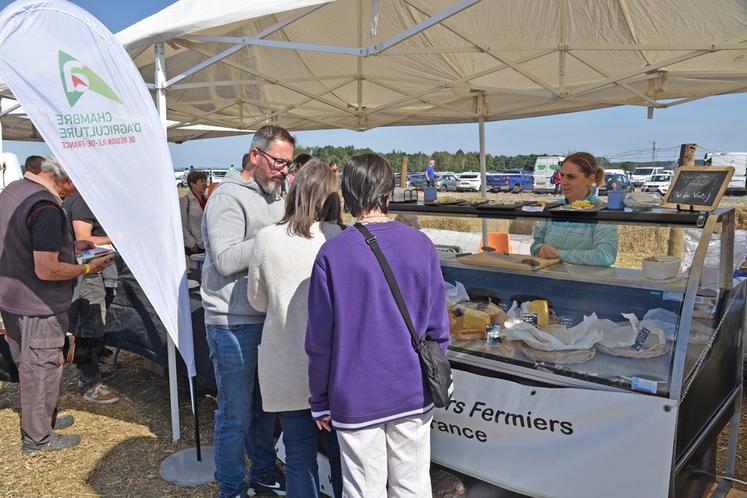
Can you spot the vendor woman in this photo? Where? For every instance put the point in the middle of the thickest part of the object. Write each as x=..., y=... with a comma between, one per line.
x=580, y=243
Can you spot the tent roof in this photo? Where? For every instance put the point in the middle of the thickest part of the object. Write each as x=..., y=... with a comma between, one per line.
x=322, y=66
x=360, y=64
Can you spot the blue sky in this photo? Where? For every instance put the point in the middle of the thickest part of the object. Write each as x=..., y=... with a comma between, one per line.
x=623, y=133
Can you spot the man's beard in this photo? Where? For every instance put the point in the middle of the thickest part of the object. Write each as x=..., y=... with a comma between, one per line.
x=269, y=187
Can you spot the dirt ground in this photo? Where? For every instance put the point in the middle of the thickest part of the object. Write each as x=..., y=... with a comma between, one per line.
x=124, y=444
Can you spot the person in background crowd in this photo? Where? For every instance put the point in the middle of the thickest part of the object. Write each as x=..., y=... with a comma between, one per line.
x=430, y=174
x=191, y=207
x=279, y=285
x=579, y=243
x=334, y=168
x=88, y=311
x=556, y=181
x=242, y=205
x=37, y=274
x=33, y=164
x=365, y=377
x=298, y=163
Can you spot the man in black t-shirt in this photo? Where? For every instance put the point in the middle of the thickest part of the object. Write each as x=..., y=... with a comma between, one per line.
x=88, y=311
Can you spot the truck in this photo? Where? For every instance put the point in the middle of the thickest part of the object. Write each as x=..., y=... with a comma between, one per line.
x=738, y=161
x=511, y=181
x=10, y=169
x=544, y=169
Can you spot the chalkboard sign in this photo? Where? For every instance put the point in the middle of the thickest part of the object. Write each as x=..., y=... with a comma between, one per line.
x=698, y=188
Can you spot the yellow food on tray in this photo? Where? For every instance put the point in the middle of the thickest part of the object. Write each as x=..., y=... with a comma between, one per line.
x=470, y=320
x=581, y=205
x=542, y=310
x=476, y=319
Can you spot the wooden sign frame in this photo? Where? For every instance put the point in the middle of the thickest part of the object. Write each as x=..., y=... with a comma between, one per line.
x=704, y=169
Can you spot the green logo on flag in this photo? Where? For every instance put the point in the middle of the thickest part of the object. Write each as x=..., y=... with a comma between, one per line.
x=77, y=79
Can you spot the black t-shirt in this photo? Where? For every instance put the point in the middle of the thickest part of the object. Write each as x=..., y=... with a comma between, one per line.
x=78, y=210
x=46, y=222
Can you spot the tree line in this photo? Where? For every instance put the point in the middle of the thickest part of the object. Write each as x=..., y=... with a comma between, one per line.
x=457, y=162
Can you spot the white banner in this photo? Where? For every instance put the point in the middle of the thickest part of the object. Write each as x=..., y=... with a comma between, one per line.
x=559, y=443
x=92, y=108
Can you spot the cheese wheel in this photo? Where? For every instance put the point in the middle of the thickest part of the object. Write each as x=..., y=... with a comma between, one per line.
x=476, y=319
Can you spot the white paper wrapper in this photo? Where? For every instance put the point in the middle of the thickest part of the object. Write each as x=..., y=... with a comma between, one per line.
x=554, y=337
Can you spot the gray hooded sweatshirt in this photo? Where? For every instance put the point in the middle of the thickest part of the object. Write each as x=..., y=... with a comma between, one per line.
x=236, y=211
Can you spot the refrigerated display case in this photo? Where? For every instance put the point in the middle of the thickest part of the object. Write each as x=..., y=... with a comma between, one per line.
x=689, y=357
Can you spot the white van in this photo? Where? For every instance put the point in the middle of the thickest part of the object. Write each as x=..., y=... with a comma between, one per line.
x=644, y=173
x=544, y=168
x=738, y=161
x=10, y=169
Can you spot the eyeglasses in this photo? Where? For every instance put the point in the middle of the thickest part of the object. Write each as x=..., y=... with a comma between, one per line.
x=278, y=163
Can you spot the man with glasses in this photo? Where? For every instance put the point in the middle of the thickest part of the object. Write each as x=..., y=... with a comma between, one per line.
x=243, y=204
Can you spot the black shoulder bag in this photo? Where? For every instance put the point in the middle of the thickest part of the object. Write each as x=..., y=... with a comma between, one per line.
x=433, y=362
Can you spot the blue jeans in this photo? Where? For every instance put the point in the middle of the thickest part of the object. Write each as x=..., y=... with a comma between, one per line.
x=241, y=427
x=301, y=469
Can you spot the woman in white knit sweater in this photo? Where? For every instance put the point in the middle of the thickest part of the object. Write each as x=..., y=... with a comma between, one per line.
x=282, y=259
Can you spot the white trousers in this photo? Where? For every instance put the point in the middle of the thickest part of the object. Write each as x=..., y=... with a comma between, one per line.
x=396, y=453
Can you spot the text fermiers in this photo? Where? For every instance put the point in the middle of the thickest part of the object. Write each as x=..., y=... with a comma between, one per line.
x=480, y=410
x=96, y=124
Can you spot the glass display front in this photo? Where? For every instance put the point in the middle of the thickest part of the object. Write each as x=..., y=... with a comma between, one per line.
x=603, y=304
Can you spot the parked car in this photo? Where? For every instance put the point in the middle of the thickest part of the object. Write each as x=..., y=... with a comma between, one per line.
x=493, y=182
x=181, y=178
x=469, y=182
x=416, y=180
x=657, y=183
x=620, y=180
x=512, y=181
x=644, y=174
x=216, y=175
x=448, y=182
x=397, y=177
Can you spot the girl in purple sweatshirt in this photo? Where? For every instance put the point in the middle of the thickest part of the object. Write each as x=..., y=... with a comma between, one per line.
x=364, y=375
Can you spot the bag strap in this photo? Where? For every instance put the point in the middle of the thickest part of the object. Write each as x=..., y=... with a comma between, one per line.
x=389, y=275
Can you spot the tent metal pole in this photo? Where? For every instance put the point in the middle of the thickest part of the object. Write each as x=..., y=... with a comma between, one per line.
x=160, y=78
x=483, y=170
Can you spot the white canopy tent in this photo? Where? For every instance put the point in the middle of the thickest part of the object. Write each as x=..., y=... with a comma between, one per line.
x=360, y=64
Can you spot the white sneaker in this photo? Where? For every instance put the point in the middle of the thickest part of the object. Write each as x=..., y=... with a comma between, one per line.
x=100, y=394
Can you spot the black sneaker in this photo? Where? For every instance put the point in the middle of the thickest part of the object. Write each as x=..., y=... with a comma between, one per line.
x=56, y=443
x=63, y=422
x=268, y=487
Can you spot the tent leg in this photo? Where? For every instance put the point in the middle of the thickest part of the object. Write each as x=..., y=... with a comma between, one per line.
x=483, y=177
x=160, y=79
x=198, y=449
x=173, y=393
